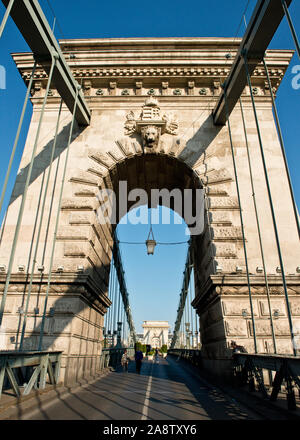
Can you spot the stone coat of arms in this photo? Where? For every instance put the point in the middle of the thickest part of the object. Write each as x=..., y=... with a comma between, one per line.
x=150, y=125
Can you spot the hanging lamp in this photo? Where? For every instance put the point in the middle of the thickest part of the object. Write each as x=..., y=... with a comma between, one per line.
x=150, y=243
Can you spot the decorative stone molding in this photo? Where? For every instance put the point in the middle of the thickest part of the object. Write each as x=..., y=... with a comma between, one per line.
x=179, y=71
x=164, y=87
x=191, y=86
x=177, y=92
x=87, y=86
x=217, y=88
x=150, y=124
x=112, y=88
x=151, y=92
x=125, y=92
x=138, y=87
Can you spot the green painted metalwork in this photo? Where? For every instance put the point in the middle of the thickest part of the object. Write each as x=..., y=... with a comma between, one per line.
x=17, y=137
x=40, y=227
x=245, y=55
x=33, y=25
x=258, y=227
x=286, y=367
x=290, y=22
x=123, y=289
x=264, y=22
x=183, y=297
x=283, y=148
x=57, y=219
x=241, y=219
x=6, y=15
x=41, y=361
x=26, y=186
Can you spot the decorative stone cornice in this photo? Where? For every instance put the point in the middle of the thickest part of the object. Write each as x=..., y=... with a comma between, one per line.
x=234, y=284
x=152, y=72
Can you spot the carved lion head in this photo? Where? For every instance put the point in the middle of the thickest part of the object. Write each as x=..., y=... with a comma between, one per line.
x=150, y=135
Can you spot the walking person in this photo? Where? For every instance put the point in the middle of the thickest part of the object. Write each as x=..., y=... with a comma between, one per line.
x=138, y=360
x=125, y=361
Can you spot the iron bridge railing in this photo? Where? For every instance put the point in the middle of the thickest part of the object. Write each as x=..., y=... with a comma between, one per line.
x=191, y=355
x=248, y=367
x=111, y=357
x=23, y=371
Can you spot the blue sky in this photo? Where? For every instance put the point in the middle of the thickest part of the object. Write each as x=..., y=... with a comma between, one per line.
x=153, y=281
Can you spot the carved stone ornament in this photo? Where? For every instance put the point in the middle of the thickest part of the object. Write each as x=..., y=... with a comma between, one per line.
x=150, y=124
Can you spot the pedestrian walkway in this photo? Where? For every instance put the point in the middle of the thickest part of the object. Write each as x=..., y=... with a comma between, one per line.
x=164, y=390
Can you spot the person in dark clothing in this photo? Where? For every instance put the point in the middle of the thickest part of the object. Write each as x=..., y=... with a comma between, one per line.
x=240, y=373
x=138, y=360
x=237, y=348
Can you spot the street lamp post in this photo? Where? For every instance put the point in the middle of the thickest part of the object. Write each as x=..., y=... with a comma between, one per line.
x=119, y=343
x=187, y=332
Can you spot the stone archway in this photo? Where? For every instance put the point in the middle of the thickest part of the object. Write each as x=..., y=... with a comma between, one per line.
x=186, y=150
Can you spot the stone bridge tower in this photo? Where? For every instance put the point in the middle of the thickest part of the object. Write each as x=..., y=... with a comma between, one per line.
x=183, y=149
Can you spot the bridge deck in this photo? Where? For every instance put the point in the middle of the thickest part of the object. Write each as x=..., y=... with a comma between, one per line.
x=163, y=391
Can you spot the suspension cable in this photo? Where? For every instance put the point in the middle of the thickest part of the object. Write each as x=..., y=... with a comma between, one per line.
x=115, y=301
x=57, y=219
x=17, y=136
x=54, y=57
x=109, y=287
x=292, y=29
x=282, y=148
x=241, y=219
x=258, y=226
x=6, y=15
x=196, y=315
x=271, y=204
x=112, y=291
x=192, y=314
x=40, y=225
x=119, y=301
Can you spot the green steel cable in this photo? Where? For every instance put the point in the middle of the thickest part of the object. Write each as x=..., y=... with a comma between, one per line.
x=124, y=323
x=40, y=225
x=6, y=15
x=290, y=22
x=106, y=314
x=110, y=295
x=271, y=204
x=17, y=136
x=258, y=227
x=241, y=219
x=192, y=315
x=283, y=149
x=54, y=57
x=115, y=304
x=111, y=292
x=57, y=219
